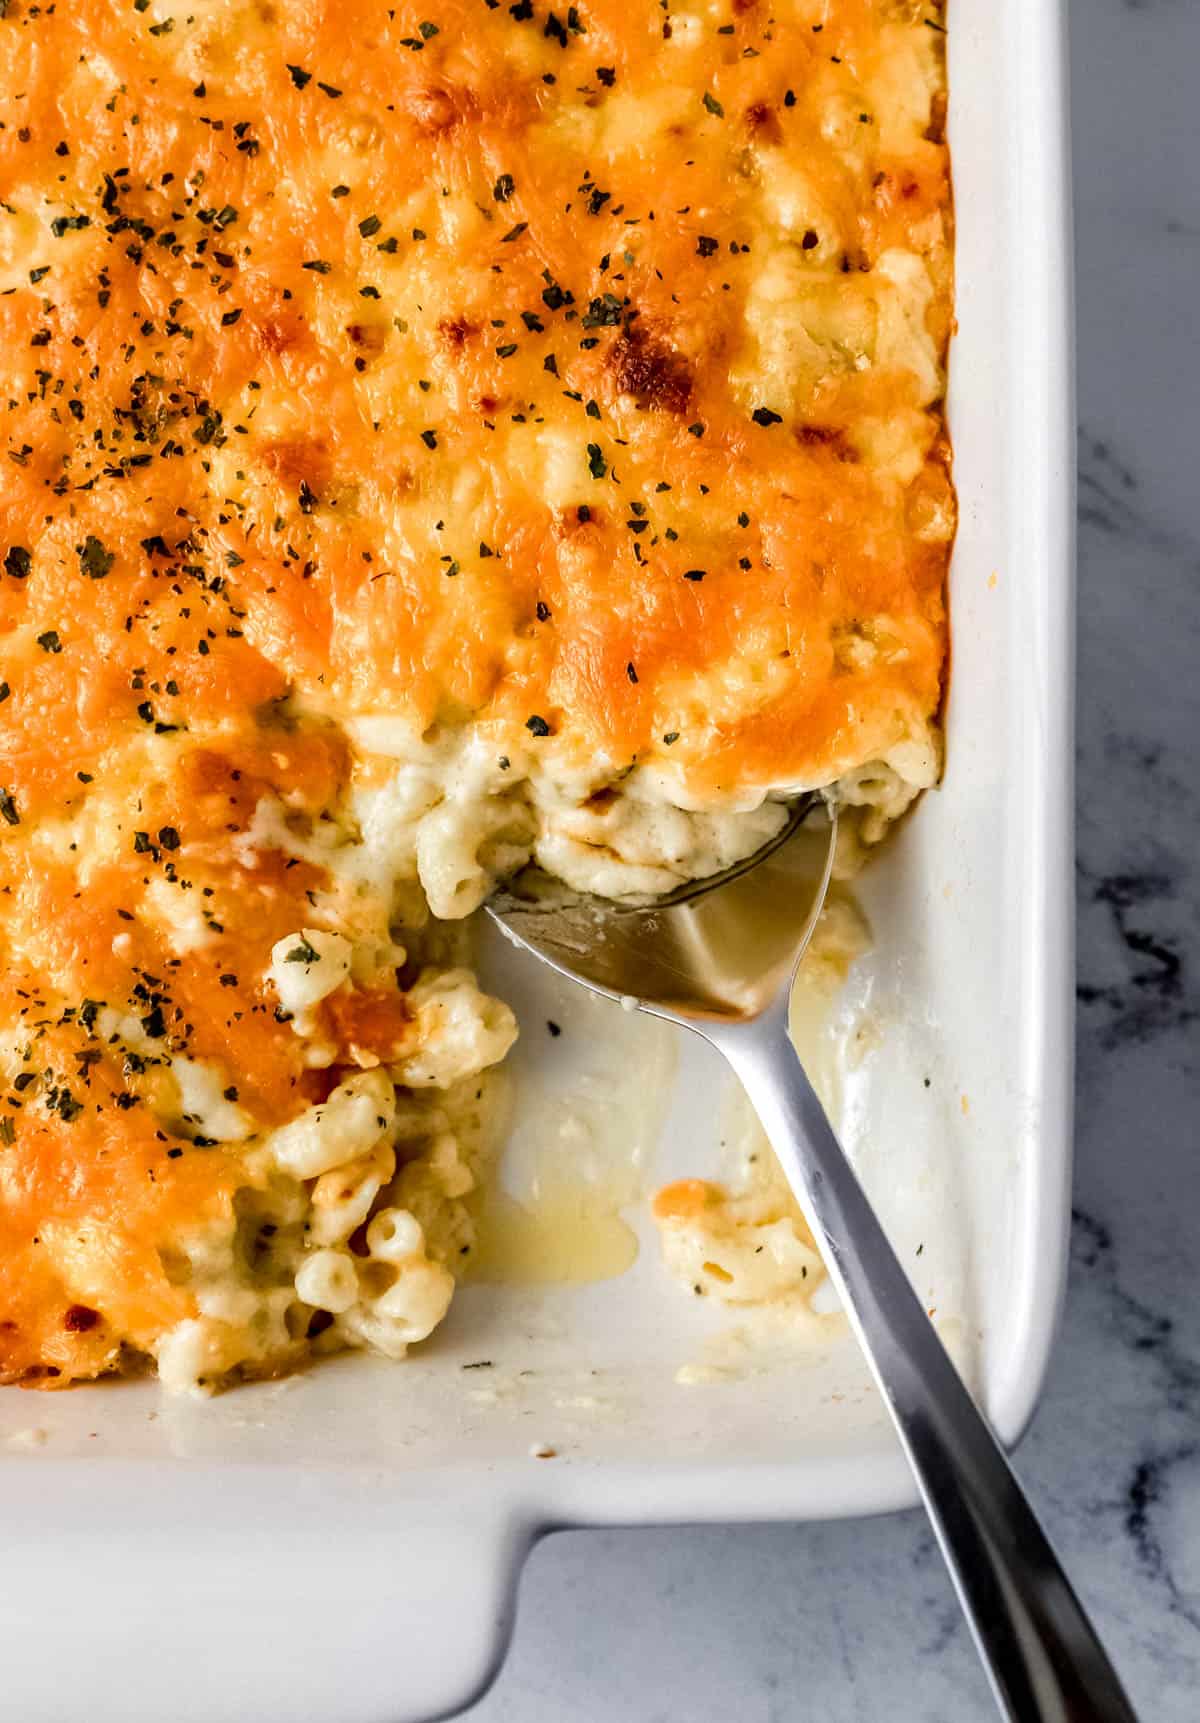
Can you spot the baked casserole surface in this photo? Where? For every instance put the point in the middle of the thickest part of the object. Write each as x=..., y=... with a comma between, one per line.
x=433, y=435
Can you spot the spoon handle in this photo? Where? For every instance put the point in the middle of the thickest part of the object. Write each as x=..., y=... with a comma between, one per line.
x=1042, y=1655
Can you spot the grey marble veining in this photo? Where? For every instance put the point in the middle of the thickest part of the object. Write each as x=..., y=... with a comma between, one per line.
x=857, y=1621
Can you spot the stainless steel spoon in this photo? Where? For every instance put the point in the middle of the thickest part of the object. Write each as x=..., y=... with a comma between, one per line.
x=719, y=958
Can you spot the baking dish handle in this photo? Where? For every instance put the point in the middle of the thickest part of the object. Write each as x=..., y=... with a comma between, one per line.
x=363, y=1599
x=1042, y=1655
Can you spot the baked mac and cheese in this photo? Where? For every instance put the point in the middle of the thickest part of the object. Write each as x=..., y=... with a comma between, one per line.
x=435, y=435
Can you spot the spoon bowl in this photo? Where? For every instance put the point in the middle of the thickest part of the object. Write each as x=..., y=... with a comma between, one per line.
x=717, y=950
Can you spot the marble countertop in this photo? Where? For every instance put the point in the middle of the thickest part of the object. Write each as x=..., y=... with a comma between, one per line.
x=857, y=1621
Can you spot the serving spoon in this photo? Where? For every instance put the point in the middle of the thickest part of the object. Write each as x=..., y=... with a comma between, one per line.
x=719, y=957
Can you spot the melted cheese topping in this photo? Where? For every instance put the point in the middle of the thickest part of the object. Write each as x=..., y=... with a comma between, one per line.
x=432, y=435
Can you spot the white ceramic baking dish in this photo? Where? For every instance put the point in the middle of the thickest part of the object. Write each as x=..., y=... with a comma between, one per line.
x=344, y=1547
